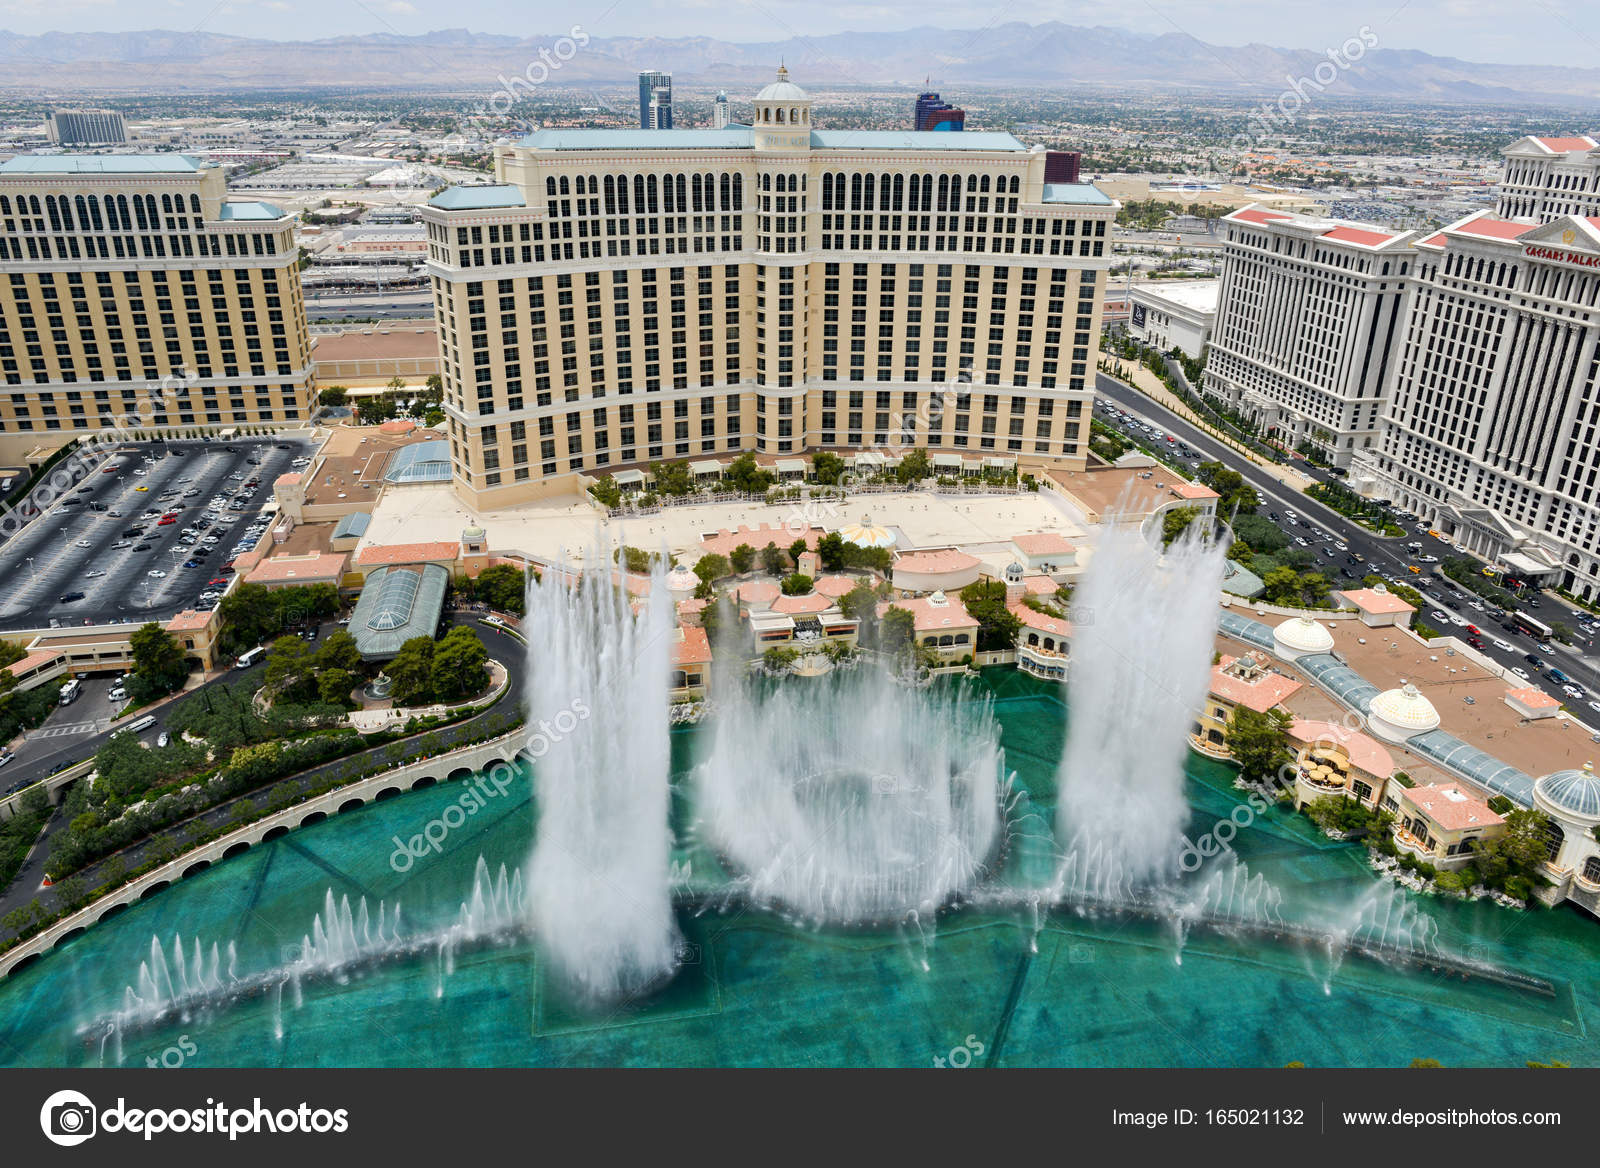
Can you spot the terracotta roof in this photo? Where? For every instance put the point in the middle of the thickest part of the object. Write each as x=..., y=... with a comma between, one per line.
x=324, y=566
x=1188, y=490
x=1358, y=235
x=932, y=618
x=188, y=620
x=1566, y=145
x=692, y=606
x=1043, y=543
x=35, y=660
x=1365, y=751
x=1266, y=690
x=377, y=555
x=1373, y=601
x=1533, y=697
x=287, y=480
x=835, y=586
x=1038, y=620
x=693, y=647
x=942, y=560
x=1484, y=226
x=1257, y=215
x=1041, y=585
x=756, y=590
x=1450, y=806
x=798, y=605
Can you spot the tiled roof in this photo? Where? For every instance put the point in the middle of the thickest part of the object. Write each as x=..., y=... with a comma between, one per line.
x=1533, y=697
x=318, y=566
x=1260, y=693
x=933, y=618
x=1450, y=806
x=942, y=560
x=835, y=586
x=725, y=541
x=693, y=646
x=187, y=621
x=1363, y=750
x=1358, y=235
x=1040, y=621
x=406, y=553
x=1257, y=215
x=1373, y=601
x=798, y=605
x=756, y=591
x=1043, y=543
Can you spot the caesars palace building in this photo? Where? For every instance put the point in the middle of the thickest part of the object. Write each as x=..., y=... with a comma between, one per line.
x=625, y=296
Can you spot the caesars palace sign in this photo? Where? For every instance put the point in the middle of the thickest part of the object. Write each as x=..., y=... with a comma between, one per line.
x=1582, y=259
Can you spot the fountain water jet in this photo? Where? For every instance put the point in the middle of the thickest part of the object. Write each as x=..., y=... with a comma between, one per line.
x=1143, y=629
x=599, y=892
x=849, y=799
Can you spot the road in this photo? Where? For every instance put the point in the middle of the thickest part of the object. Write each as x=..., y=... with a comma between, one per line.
x=503, y=648
x=1387, y=557
x=406, y=305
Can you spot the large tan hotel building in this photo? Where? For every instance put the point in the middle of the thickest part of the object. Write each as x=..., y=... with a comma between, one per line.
x=135, y=295
x=624, y=296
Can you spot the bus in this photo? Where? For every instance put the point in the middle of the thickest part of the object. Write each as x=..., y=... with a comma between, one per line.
x=139, y=724
x=1534, y=628
x=70, y=691
x=248, y=658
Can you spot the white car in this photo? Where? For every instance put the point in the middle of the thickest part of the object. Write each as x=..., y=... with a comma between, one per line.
x=1427, y=559
x=1341, y=547
x=139, y=472
x=1521, y=672
x=1547, y=647
x=94, y=575
x=1504, y=646
x=1572, y=691
x=1458, y=621
x=1595, y=706
x=163, y=738
x=156, y=574
x=1440, y=615
x=84, y=543
x=1301, y=540
x=1459, y=548
x=117, y=694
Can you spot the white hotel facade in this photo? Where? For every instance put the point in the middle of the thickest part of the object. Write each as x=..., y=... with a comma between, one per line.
x=1307, y=324
x=623, y=297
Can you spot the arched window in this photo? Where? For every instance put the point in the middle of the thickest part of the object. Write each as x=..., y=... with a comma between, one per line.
x=1591, y=869
x=780, y=115
x=738, y=192
x=194, y=204
x=1554, y=837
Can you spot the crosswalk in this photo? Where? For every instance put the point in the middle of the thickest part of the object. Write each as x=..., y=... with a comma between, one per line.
x=69, y=728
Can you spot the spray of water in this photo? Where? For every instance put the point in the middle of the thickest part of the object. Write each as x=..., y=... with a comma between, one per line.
x=850, y=798
x=1140, y=655
x=598, y=886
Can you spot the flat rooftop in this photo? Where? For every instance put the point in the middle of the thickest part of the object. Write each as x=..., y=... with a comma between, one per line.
x=352, y=463
x=376, y=344
x=1108, y=490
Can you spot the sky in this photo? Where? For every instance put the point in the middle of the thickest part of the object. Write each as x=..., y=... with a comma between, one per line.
x=1548, y=32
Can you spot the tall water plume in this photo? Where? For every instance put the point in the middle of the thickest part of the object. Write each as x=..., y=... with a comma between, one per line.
x=1141, y=648
x=598, y=886
x=851, y=798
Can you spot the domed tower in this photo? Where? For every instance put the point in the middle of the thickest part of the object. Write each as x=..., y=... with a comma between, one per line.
x=782, y=140
x=782, y=116
x=1571, y=799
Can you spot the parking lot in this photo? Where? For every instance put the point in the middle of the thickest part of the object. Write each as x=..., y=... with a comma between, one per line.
x=108, y=553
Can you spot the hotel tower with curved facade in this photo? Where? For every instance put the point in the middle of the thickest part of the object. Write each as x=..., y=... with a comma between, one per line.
x=621, y=297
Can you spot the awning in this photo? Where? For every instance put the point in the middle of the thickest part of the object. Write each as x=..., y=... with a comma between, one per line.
x=1001, y=463
x=1528, y=564
x=709, y=466
x=869, y=458
x=791, y=466
x=950, y=460
x=629, y=477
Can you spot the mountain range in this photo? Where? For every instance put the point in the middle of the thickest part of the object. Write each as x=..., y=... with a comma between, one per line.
x=1049, y=56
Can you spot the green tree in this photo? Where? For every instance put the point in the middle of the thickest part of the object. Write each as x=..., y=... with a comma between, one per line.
x=897, y=631
x=748, y=476
x=742, y=558
x=1260, y=533
x=158, y=657
x=606, y=490
x=797, y=549
x=772, y=559
x=1259, y=742
x=673, y=478
x=334, y=686
x=711, y=567
x=1282, y=585
x=250, y=766
x=459, y=664
x=503, y=587
x=796, y=585
x=985, y=602
x=860, y=604
x=334, y=395
x=289, y=662
x=411, y=671
x=915, y=466
x=831, y=551
x=340, y=651
x=1175, y=522
x=827, y=467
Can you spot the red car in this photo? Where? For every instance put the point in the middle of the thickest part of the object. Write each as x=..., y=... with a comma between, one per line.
x=165, y=520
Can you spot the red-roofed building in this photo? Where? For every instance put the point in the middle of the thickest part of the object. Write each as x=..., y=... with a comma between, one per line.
x=1547, y=177
x=1238, y=681
x=935, y=570
x=443, y=553
x=1043, y=642
x=942, y=623
x=296, y=571
x=1532, y=702
x=725, y=541
x=1379, y=607
x=1335, y=760
x=691, y=663
x=1044, y=551
x=1322, y=386
x=1443, y=825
